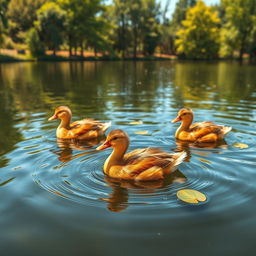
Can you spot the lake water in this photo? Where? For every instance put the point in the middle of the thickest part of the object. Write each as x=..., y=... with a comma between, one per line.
x=55, y=199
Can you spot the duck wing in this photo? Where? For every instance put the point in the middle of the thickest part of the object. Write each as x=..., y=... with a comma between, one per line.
x=204, y=128
x=151, y=160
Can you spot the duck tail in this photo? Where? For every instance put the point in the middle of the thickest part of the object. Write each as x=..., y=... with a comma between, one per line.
x=106, y=126
x=226, y=129
x=179, y=158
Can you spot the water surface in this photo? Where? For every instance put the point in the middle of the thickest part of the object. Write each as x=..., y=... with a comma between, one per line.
x=56, y=199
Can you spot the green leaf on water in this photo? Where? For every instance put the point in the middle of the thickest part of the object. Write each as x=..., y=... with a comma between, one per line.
x=191, y=196
x=240, y=145
x=141, y=132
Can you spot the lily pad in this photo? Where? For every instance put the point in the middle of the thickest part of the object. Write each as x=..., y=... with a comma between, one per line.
x=141, y=132
x=136, y=122
x=240, y=145
x=191, y=196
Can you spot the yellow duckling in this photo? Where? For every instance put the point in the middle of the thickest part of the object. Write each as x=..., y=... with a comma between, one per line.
x=140, y=164
x=198, y=132
x=81, y=130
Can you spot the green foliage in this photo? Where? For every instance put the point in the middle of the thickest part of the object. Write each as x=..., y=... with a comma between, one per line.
x=180, y=12
x=137, y=25
x=1, y=33
x=22, y=14
x=50, y=24
x=35, y=45
x=128, y=28
x=238, y=32
x=81, y=20
x=3, y=10
x=198, y=39
x=3, y=20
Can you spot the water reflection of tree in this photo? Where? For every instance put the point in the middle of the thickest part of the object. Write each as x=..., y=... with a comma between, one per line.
x=204, y=85
x=96, y=89
x=9, y=134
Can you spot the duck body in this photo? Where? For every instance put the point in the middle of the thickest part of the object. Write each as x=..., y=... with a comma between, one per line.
x=141, y=164
x=80, y=130
x=198, y=132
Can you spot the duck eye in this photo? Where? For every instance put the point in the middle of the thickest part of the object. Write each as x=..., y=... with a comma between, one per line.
x=115, y=138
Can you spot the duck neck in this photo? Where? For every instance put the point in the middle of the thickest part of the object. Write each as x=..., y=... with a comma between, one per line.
x=185, y=124
x=116, y=157
x=65, y=123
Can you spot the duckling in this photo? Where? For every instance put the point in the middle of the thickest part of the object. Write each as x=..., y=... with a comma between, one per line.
x=198, y=132
x=80, y=130
x=145, y=164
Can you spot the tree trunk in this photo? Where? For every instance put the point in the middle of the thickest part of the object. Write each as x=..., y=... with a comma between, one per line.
x=123, y=36
x=82, y=50
x=241, y=52
x=135, y=42
x=70, y=46
x=242, y=48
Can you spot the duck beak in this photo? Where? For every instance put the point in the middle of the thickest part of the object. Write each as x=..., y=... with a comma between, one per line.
x=53, y=118
x=105, y=145
x=177, y=119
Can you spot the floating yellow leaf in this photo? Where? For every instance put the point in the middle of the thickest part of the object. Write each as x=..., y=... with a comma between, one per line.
x=240, y=145
x=191, y=196
x=136, y=122
x=204, y=160
x=141, y=132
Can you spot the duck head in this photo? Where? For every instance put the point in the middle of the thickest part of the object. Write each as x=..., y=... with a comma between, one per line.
x=117, y=139
x=62, y=112
x=184, y=115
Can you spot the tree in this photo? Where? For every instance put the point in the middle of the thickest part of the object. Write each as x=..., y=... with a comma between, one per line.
x=150, y=26
x=35, y=45
x=3, y=19
x=3, y=10
x=1, y=33
x=22, y=14
x=180, y=12
x=81, y=21
x=238, y=32
x=199, y=36
x=119, y=13
x=50, y=24
x=143, y=16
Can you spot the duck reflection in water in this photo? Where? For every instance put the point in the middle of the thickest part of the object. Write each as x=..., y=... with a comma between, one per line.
x=119, y=197
x=187, y=146
x=66, y=148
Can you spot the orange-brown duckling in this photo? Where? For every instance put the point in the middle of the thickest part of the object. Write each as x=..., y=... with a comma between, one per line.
x=80, y=130
x=198, y=132
x=139, y=165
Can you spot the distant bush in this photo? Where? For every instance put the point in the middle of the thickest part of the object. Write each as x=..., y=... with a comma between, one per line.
x=35, y=45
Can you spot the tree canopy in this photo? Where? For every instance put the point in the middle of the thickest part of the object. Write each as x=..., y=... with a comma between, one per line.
x=131, y=28
x=199, y=36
